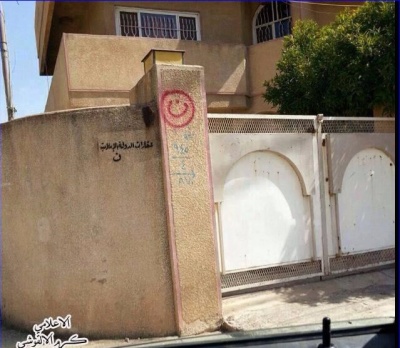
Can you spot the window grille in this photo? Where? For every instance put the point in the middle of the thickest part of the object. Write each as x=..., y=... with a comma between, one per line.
x=129, y=24
x=272, y=21
x=161, y=25
x=188, y=28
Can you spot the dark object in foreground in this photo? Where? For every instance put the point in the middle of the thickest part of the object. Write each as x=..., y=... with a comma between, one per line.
x=371, y=333
x=326, y=334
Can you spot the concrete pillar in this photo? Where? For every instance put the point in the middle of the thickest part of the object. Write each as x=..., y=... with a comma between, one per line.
x=173, y=99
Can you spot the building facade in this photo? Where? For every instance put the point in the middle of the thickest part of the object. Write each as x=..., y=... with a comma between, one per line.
x=94, y=50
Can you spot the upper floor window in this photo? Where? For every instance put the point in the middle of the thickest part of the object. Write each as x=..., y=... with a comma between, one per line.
x=271, y=21
x=157, y=24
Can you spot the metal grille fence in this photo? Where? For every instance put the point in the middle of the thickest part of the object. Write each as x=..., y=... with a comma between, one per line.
x=359, y=125
x=260, y=124
x=232, y=123
x=239, y=280
x=356, y=261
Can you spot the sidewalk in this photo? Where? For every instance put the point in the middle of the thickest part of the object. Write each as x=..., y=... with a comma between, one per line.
x=361, y=296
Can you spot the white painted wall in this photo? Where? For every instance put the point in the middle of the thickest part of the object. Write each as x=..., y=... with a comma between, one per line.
x=265, y=219
x=366, y=204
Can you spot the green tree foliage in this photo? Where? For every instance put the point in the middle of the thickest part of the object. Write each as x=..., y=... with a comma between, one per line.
x=343, y=69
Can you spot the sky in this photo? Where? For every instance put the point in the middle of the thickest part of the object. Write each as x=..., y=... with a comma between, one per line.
x=29, y=89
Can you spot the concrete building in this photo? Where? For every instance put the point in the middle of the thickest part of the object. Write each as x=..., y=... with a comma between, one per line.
x=94, y=49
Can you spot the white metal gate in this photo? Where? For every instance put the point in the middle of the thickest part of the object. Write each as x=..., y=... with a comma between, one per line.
x=360, y=164
x=274, y=222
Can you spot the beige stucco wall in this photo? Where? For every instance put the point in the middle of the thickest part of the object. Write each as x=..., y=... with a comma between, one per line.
x=100, y=70
x=325, y=13
x=192, y=204
x=82, y=234
x=262, y=59
x=59, y=95
x=98, y=18
x=39, y=9
x=215, y=18
x=189, y=194
x=43, y=18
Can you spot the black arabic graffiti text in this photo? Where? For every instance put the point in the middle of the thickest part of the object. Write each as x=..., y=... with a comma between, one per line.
x=121, y=145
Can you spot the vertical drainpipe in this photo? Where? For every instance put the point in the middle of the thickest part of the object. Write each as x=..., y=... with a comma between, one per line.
x=321, y=182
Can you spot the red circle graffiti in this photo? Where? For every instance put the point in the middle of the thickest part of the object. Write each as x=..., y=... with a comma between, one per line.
x=177, y=108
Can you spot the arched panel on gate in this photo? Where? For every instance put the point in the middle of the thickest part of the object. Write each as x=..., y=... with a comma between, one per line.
x=265, y=218
x=366, y=203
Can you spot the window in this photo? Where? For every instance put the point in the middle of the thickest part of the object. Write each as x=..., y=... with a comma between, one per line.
x=271, y=21
x=161, y=25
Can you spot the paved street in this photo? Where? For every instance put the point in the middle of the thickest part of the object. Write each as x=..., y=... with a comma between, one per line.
x=368, y=295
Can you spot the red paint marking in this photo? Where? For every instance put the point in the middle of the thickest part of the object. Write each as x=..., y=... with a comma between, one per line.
x=173, y=113
x=181, y=113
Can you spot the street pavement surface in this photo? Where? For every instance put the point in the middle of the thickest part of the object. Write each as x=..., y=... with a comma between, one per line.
x=361, y=296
